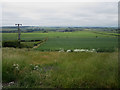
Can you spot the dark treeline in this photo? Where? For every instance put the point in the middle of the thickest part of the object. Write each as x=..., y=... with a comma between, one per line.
x=26, y=29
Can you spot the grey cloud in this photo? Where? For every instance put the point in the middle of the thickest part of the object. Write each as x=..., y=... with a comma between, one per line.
x=57, y=14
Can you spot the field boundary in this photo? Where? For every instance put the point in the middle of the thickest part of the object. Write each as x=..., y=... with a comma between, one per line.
x=41, y=42
x=105, y=33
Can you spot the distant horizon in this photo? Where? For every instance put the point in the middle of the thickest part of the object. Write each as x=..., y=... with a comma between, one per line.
x=55, y=26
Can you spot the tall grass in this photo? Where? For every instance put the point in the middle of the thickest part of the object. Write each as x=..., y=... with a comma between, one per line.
x=59, y=69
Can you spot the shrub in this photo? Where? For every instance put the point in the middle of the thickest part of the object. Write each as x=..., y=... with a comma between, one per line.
x=10, y=44
x=16, y=44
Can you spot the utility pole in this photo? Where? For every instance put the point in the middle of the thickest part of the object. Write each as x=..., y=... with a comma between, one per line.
x=19, y=32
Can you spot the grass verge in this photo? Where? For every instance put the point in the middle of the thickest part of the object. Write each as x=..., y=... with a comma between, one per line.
x=23, y=68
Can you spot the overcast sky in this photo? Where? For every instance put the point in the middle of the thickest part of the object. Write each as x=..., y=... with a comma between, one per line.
x=60, y=13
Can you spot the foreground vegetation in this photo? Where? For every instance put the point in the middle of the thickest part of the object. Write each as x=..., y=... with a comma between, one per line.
x=30, y=68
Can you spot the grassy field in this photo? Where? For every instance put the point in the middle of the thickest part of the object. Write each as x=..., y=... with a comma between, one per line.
x=30, y=68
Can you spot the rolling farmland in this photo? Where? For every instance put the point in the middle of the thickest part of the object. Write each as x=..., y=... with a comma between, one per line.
x=44, y=66
x=68, y=40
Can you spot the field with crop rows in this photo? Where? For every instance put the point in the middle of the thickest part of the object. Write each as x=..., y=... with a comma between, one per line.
x=68, y=40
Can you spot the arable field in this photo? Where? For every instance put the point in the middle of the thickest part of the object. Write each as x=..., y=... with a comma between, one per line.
x=27, y=36
x=78, y=43
x=68, y=40
x=29, y=68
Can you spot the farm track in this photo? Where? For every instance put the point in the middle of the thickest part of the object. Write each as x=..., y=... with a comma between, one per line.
x=38, y=44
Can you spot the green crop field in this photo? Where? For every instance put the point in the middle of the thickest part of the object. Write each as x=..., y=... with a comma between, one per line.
x=78, y=43
x=68, y=40
x=87, y=34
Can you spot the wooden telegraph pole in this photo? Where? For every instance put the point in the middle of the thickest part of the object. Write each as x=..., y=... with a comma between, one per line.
x=19, y=33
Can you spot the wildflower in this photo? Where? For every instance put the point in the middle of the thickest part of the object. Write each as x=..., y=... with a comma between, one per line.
x=77, y=50
x=14, y=65
x=68, y=50
x=17, y=65
x=93, y=49
x=87, y=50
x=17, y=68
x=36, y=66
x=61, y=50
x=11, y=83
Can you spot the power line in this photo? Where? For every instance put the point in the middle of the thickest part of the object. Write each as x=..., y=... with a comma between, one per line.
x=19, y=32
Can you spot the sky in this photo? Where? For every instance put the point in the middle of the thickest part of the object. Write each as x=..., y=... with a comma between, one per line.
x=93, y=14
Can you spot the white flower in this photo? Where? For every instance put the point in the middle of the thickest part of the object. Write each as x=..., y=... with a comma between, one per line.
x=17, y=65
x=10, y=83
x=14, y=65
x=36, y=66
x=87, y=50
x=17, y=68
x=68, y=50
x=61, y=50
x=93, y=49
x=76, y=50
x=82, y=50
